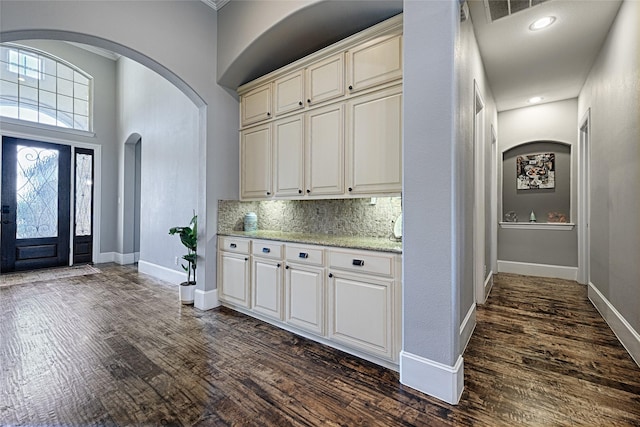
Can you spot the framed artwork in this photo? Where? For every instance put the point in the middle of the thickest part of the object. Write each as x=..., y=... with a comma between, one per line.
x=535, y=171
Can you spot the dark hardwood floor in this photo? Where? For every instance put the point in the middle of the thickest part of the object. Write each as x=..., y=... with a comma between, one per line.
x=117, y=348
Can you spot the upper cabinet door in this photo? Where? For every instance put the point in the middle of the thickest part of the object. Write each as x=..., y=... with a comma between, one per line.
x=256, y=105
x=255, y=162
x=375, y=62
x=325, y=151
x=288, y=144
x=325, y=79
x=289, y=92
x=375, y=142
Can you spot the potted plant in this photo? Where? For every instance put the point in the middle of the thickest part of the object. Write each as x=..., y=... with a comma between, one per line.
x=189, y=238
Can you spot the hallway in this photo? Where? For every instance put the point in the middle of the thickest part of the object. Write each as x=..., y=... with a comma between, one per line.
x=116, y=348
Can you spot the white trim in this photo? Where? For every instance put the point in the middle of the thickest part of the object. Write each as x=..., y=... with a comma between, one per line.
x=46, y=127
x=542, y=270
x=136, y=257
x=584, y=163
x=628, y=337
x=123, y=259
x=468, y=326
x=488, y=285
x=160, y=272
x=102, y=257
x=433, y=378
x=538, y=225
x=495, y=162
x=479, y=256
x=206, y=300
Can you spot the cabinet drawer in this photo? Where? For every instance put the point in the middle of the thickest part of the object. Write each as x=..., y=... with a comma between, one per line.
x=267, y=249
x=364, y=262
x=304, y=255
x=231, y=244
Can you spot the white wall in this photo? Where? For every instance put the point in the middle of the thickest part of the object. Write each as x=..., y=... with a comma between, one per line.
x=167, y=121
x=103, y=71
x=612, y=92
x=156, y=36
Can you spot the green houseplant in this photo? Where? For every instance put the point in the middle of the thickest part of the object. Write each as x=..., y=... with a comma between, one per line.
x=189, y=238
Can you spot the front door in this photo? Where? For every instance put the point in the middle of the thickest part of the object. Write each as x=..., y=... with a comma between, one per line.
x=36, y=179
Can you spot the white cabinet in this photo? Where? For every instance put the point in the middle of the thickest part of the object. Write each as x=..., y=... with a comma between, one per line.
x=255, y=105
x=375, y=62
x=289, y=92
x=325, y=151
x=233, y=271
x=374, y=140
x=363, y=301
x=346, y=298
x=266, y=280
x=255, y=162
x=305, y=288
x=288, y=165
x=325, y=79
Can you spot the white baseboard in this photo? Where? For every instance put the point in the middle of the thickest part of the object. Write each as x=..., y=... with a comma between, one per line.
x=136, y=256
x=628, y=336
x=162, y=273
x=117, y=257
x=206, y=300
x=467, y=327
x=542, y=270
x=435, y=379
x=488, y=285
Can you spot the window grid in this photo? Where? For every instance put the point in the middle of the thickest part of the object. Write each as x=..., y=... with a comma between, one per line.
x=38, y=87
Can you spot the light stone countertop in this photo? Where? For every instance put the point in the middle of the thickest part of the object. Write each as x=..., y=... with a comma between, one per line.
x=353, y=242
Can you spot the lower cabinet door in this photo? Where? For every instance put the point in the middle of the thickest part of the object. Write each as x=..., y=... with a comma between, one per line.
x=234, y=278
x=267, y=287
x=361, y=312
x=305, y=298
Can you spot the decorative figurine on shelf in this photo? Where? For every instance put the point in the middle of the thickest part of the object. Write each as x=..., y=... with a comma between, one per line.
x=532, y=217
x=511, y=216
x=556, y=217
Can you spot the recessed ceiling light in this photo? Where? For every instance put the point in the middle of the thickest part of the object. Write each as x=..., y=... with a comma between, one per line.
x=542, y=23
x=535, y=100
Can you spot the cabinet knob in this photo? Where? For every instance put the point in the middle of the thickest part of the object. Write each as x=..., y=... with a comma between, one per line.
x=269, y=193
x=300, y=103
x=350, y=87
x=350, y=189
x=278, y=265
x=287, y=267
x=330, y=274
x=268, y=114
x=246, y=259
x=308, y=101
x=299, y=191
x=308, y=191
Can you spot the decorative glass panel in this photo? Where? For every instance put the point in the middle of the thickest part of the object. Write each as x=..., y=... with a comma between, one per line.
x=65, y=72
x=84, y=193
x=81, y=91
x=37, y=192
x=65, y=87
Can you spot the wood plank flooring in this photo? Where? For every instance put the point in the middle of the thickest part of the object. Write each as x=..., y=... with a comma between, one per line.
x=117, y=348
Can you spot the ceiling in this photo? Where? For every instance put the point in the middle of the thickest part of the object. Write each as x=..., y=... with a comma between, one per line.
x=552, y=63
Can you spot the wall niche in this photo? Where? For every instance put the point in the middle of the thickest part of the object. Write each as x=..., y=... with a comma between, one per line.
x=544, y=202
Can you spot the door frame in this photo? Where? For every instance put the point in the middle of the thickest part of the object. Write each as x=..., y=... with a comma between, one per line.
x=584, y=187
x=97, y=183
x=479, y=237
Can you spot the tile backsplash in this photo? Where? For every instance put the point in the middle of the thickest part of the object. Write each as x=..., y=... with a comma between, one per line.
x=346, y=217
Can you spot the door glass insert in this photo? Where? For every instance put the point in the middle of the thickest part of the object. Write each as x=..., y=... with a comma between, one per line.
x=36, y=192
x=84, y=193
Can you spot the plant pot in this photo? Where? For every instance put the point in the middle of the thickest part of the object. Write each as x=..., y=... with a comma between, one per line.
x=187, y=292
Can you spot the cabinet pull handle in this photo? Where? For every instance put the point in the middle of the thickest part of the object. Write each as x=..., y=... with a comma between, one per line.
x=358, y=262
x=330, y=274
x=233, y=246
x=300, y=103
x=303, y=255
x=266, y=250
x=350, y=87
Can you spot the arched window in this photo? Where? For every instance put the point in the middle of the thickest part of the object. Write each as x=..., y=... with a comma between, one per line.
x=38, y=87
